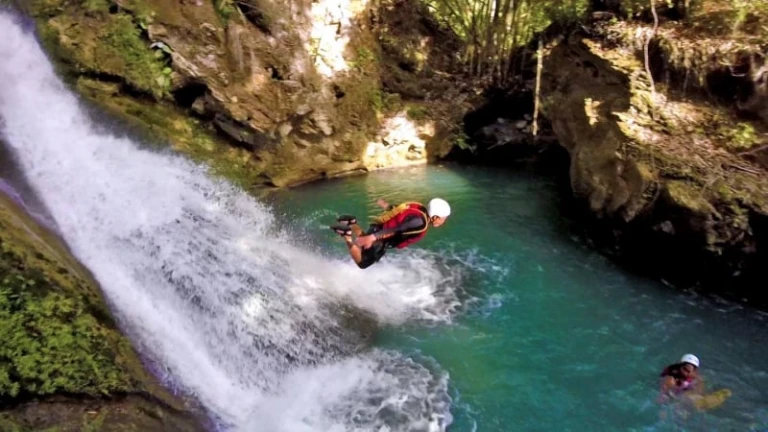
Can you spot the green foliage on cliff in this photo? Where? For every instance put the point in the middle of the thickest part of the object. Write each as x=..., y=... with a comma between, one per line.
x=51, y=342
x=492, y=29
x=96, y=5
x=95, y=41
x=58, y=336
x=143, y=68
x=225, y=8
x=416, y=112
x=739, y=136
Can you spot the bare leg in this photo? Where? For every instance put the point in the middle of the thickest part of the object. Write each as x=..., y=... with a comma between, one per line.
x=354, y=250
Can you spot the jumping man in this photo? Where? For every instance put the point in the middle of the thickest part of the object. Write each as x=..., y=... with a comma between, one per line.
x=398, y=227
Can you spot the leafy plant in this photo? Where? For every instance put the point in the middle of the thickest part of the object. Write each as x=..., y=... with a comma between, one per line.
x=416, y=112
x=96, y=5
x=493, y=29
x=51, y=343
x=363, y=59
x=462, y=141
x=225, y=8
x=143, y=67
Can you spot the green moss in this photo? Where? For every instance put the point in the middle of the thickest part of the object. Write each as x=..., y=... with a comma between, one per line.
x=142, y=10
x=51, y=341
x=383, y=102
x=59, y=339
x=43, y=8
x=108, y=44
x=235, y=164
x=57, y=332
x=741, y=136
x=187, y=135
x=462, y=141
x=377, y=100
x=362, y=100
x=363, y=60
x=688, y=196
x=416, y=112
x=142, y=67
x=225, y=8
x=8, y=425
x=96, y=5
x=94, y=424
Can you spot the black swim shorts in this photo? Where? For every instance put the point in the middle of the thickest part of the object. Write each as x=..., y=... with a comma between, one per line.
x=374, y=253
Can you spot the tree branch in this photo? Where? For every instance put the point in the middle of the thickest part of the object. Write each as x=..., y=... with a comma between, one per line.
x=647, y=43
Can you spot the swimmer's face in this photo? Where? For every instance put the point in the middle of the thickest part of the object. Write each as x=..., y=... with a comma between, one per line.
x=688, y=369
x=437, y=221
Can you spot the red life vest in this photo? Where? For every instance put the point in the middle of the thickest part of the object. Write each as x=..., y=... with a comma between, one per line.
x=397, y=215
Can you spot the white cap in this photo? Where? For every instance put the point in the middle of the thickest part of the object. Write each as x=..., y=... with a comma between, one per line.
x=690, y=358
x=438, y=207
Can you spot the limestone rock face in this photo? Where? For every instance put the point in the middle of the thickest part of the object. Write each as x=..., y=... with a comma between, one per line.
x=660, y=173
x=287, y=92
x=403, y=143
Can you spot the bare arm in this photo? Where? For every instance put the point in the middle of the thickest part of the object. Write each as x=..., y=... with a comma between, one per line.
x=412, y=223
x=698, y=385
x=667, y=384
x=383, y=204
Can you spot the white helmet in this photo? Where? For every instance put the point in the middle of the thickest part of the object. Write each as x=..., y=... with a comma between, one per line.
x=690, y=358
x=438, y=207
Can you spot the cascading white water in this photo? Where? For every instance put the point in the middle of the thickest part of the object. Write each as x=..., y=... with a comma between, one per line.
x=192, y=267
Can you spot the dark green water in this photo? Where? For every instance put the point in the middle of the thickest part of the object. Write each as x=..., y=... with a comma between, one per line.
x=550, y=335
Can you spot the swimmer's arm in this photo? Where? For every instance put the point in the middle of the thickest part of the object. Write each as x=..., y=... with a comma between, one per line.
x=383, y=204
x=698, y=385
x=667, y=383
x=412, y=223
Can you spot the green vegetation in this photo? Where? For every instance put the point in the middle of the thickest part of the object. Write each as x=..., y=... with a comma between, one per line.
x=96, y=5
x=734, y=18
x=377, y=101
x=363, y=60
x=463, y=141
x=143, y=68
x=58, y=336
x=739, y=136
x=416, y=112
x=94, y=424
x=51, y=342
x=60, y=345
x=225, y=8
x=383, y=102
x=492, y=30
x=188, y=135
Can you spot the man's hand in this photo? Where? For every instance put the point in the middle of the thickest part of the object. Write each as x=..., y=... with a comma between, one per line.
x=366, y=241
x=383, y=204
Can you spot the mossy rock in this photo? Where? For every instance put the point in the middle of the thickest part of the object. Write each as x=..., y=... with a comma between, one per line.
x=687, y=196
x=110, y=46
x=165, y=123
x=59, y=338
